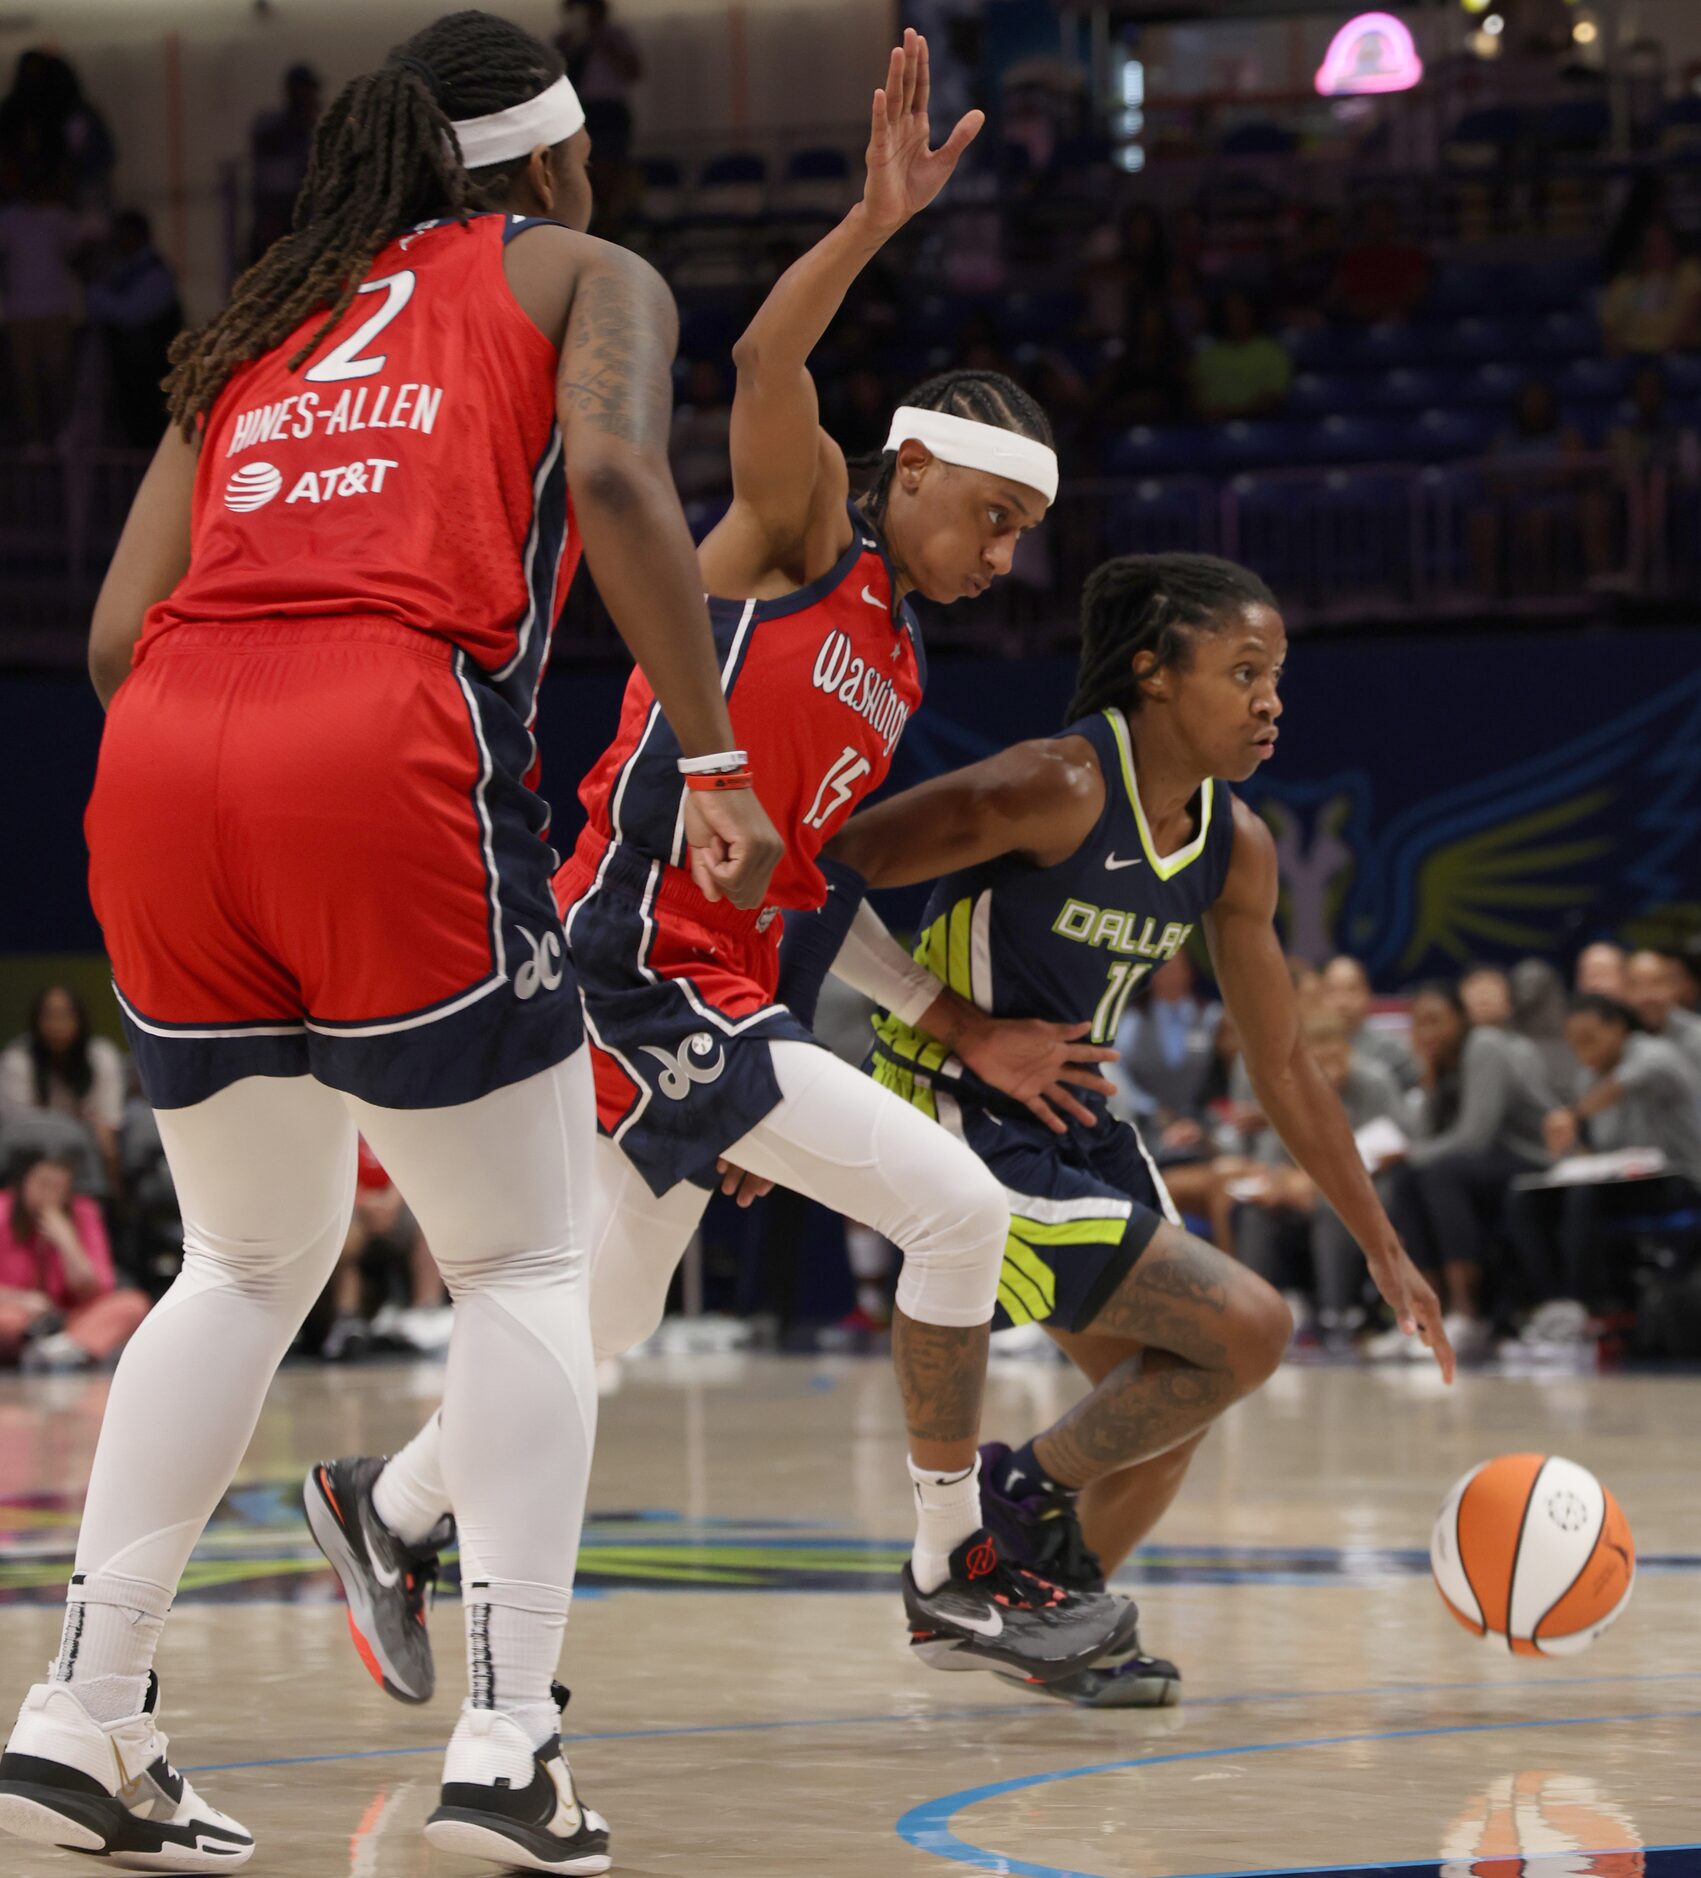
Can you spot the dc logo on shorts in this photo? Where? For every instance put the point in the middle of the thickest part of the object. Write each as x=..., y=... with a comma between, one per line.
x=682, y=1072
x=542, y=971
x=252, y=487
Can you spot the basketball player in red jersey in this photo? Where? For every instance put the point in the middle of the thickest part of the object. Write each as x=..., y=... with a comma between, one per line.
x=324, y=882
x=697, y=1065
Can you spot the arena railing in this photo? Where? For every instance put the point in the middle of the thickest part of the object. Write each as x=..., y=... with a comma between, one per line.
x=1342, y=544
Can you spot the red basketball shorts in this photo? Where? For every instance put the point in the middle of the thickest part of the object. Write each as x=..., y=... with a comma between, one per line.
x=311, y=853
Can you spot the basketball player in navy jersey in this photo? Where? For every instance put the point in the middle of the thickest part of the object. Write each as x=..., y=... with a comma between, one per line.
x=1068, y=869
x=696, y=1059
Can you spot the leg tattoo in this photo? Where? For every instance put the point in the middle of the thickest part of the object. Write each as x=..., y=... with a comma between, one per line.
x=941, y=1375
x=1212, y=1332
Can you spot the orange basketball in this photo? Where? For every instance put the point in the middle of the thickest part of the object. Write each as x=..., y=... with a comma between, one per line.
x=1533, y=1552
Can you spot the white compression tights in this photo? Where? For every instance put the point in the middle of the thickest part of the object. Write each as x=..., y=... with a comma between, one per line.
x=836, y=1137
x=265, y=1175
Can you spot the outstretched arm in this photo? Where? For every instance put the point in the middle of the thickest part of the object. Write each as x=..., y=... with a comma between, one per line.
x=1293, y=1093
x=1038, y=799
x=786, y=473
x=615, y=400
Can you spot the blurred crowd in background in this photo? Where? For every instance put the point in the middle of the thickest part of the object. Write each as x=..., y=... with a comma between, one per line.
x=1537, y=1143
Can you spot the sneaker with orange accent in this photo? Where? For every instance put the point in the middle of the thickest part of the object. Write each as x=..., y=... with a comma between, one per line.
x=991, y=1614
x=384, y=1579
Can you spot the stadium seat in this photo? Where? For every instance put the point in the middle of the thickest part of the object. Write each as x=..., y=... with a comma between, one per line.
x=1562, y=335
x=1439, y=435
x=664, y=189
x=1161, y=516
x=1477, y=337
x=1493, y=385
x=731, y=187
x=1593, y=378
x=1149, y=450
x=1316, y=393
x=1484, y=136
x=1408, y=388
x=815, y=182
x=1376, y=437
x=1577, y=126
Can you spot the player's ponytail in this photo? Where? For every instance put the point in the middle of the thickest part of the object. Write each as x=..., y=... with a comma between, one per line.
x=1152, y=603
x=384, y=157
x=986, y=397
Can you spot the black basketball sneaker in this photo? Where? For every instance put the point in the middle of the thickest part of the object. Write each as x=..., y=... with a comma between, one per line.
x=991, y=1614
x=1132, y=1681
x=515, y=1805
x=1041, y=1530
x=385, y=1580
x=106, y=1788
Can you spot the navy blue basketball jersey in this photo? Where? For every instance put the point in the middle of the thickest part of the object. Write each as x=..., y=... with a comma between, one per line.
x=1069, y=943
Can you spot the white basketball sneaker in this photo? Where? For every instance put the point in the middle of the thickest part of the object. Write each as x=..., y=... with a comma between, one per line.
x=513, y=1804
x=106, y=1788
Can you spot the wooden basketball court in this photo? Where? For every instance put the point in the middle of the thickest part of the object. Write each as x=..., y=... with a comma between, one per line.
x=745, y=1703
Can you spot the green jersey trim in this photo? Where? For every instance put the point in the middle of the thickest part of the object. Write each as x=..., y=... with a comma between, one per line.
x=1165, y=866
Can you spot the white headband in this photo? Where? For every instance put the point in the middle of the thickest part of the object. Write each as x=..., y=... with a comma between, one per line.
x=972, y=445
x=549, y=118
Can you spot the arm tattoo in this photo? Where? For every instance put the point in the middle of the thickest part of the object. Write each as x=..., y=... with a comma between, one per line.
x=612, y=370
x=941, y=1373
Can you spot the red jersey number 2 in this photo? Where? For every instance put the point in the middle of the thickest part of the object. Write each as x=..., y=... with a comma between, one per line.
x=344, y=361
x=837, y=787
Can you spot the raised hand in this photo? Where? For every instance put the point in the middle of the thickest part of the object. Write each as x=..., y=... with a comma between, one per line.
x=904, y=174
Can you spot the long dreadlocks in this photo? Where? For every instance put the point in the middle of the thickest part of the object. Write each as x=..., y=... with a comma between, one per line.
x=1152, y=603
x=384, y=157
x=986, y=397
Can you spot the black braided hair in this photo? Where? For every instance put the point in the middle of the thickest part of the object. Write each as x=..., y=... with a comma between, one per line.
x=1152, y=603
x=384, y=157
x=984, y=397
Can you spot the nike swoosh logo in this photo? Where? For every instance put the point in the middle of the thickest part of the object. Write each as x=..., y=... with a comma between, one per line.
x=874, y=599
x=388, y=1579
x=1015, y=1474
x=991, y=1625
x=1113, y=865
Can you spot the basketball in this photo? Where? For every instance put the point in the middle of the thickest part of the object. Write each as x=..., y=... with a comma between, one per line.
x=1532, y=1551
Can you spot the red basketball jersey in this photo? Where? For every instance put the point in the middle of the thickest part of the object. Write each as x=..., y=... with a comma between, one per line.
x=819, y=685
x=410, y=469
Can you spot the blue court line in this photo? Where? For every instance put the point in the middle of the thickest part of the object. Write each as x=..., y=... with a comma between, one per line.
x=928, y=1826
x=1009, y=1711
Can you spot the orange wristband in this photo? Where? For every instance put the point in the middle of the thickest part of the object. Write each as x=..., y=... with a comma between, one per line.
x=722, y=779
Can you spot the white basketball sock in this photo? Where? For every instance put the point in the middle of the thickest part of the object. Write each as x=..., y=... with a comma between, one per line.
x=947, y=1511
x=409, y=1495
x=514, y=1635
x=112, y=1629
